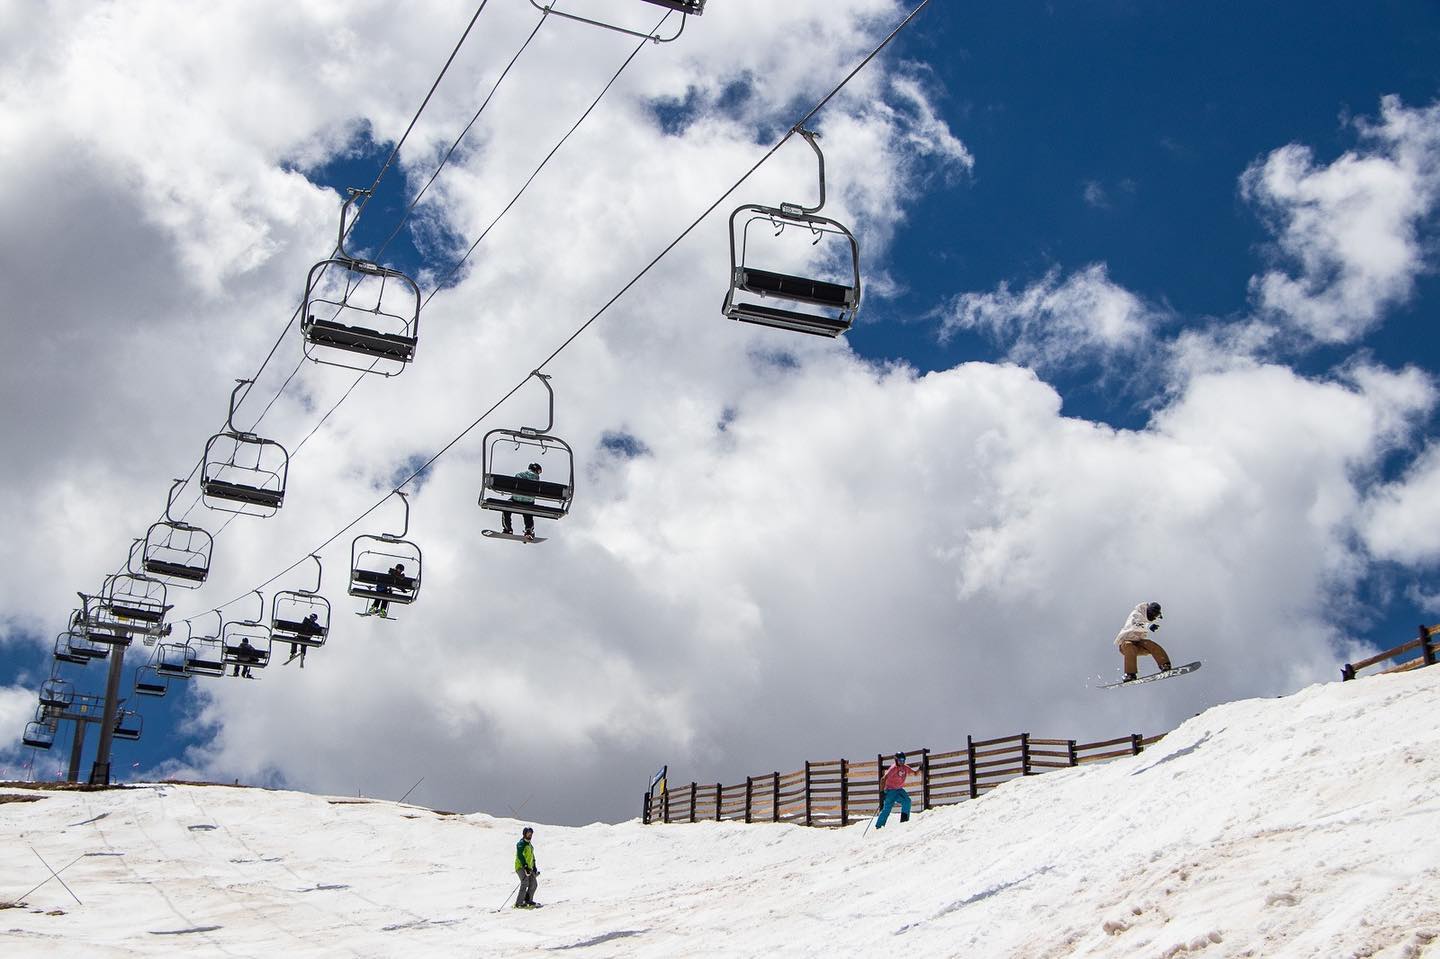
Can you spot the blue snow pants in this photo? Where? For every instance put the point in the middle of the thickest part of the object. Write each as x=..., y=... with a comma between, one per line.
x=892, y=796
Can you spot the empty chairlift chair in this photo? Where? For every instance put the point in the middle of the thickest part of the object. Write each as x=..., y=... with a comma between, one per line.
x=172, y=660
x=686, y=9
x=506, y=454
x=823, y=304
x=386, y=568
x=149, y=682
x=175, y=552
x=301, y=617
x=246, y=643
x=136, y=603
x=359, y=314
x=39, y=735
x=72, y=647
x=242, y=472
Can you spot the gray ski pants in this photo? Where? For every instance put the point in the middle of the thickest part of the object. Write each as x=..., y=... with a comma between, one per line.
x=529, y=879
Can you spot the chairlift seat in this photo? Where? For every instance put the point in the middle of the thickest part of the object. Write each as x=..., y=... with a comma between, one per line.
x=127, y=732
x=143, y=614
x=38, y=736
x=359, y=339
x=302, y=633
x=695, y=7
x=72, y=658
x=160, y=567
x=250, y=495
x=145, y=688
x=793, y=320
x=798, y=288
x=171, y=670
x=205, y=667
x=524, y=509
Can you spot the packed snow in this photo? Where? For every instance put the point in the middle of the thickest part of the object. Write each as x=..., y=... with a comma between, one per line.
x=1301, y=826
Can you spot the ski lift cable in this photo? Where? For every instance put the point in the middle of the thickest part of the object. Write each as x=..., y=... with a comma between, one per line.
x=603, y=309
x=389, y=161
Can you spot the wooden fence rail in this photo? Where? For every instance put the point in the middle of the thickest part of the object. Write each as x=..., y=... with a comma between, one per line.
x=1426, y=643
x=838, y=792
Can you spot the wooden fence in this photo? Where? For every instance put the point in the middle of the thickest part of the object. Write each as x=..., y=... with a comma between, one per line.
x=837, y=792
x=1426, y=643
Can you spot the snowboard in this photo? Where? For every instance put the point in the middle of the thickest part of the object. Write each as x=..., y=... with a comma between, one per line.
x=496, y=534
x=384, y=619
x=1166, y=674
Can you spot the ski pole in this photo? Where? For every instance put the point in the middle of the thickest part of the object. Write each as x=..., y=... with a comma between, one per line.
x=507, y=898
x=867, y=826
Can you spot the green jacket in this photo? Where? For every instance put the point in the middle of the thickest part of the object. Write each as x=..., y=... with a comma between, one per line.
x=526, y=475
x=524, y=855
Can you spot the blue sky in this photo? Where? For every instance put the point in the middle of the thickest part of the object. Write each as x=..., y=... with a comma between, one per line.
x=1106, y=133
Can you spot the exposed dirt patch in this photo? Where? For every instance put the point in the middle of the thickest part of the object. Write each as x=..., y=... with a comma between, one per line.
x=7, y=797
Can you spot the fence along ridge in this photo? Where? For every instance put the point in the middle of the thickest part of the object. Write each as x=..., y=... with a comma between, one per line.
x=837, y=792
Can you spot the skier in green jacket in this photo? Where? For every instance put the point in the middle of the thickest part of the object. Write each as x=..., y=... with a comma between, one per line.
x=526, y=869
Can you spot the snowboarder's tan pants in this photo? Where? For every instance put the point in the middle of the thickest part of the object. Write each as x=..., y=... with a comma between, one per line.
x=1133, y=648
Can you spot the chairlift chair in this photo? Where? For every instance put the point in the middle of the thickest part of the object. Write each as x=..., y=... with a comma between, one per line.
x=128, y=724
x=176, y=552
x=686, y=9
x=57, y=692
x=503, y=450
x=39, y=735
x=242, y=472
x=373, y=562
x=237, y=635
x=291, y=609
x=205, y=655
x=358, y=314
x=783, y=300
x=102, y=626
x=172, y=661
x=72, y=647
x=149, y=682
x=136, y=602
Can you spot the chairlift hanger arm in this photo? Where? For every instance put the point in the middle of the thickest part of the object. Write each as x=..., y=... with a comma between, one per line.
x=544, y=379
x=794, y=209
x=230, y=417
x=355, y=194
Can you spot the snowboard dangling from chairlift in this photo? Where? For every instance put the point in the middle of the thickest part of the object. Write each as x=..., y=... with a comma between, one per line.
x=500, y=534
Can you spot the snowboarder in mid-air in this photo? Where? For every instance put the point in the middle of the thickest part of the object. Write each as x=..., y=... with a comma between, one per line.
x=894, y=785
x=526, y=869
x=1134, y=639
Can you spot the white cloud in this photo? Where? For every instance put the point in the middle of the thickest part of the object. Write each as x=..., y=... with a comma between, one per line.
x=1401, y=517
x=1348, y=233
x=1056, y=322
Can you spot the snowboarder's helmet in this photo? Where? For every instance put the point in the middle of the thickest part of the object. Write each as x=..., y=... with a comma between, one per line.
x=899, y=757
x=535, y=467
x=1153, y=611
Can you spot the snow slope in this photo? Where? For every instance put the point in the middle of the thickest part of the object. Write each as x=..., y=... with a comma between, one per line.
x=1303, y=826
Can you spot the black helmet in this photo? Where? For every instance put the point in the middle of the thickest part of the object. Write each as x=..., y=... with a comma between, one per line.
x=1153, y=611
x=900, y=757
x=535, y=467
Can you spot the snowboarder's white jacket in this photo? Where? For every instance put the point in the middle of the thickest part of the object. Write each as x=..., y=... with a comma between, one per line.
x=1137, y=626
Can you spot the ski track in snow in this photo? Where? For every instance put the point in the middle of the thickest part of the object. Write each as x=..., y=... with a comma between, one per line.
x=1304, y=827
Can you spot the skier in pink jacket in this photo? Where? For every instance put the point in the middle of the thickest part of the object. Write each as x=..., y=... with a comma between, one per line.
x=894, y=785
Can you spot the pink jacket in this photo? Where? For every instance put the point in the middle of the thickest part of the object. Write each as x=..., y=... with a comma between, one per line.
x=895, y=778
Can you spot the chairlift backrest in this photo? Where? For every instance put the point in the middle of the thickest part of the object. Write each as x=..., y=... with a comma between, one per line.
x=39, y=735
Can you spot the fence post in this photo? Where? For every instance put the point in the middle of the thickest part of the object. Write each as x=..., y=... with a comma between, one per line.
x=970, y=757
x=775, y=799
x=645, y=812
x=666, y=814
x=749, y=792
x=1074, y=755
x=1024, y=754
x=925, y=779
x=717, y=802
x=1347, y=673
x=692, y=801
x=879, y=783
x=1426, y=648
x=807, y=792
x=1135, y=744
x=844, y=793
